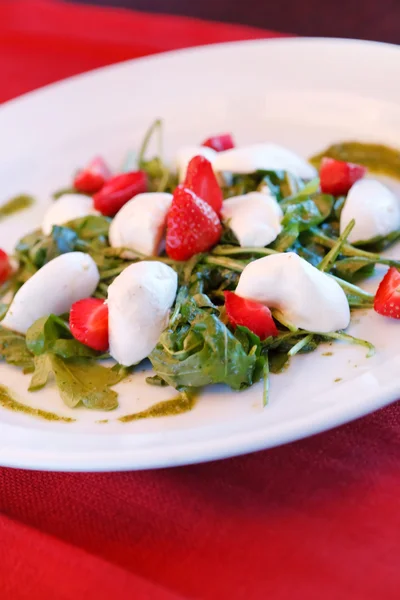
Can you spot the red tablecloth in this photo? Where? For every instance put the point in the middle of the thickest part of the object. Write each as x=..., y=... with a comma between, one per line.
x=316, y=520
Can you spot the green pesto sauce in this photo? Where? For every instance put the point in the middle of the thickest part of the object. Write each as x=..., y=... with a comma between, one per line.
x=337, y=379
x=376, y=157
x=15, y=205
x=8, y=402
x=176, y=406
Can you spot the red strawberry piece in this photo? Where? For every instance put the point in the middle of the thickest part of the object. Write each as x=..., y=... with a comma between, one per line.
x=200, y=178
x=338, y=176
x=387, y=297
x=91, y=179
x=220, y=142
x=250, y=314
x=118, y=190
x=88, y=321
x=192, y=225
x=5, y=267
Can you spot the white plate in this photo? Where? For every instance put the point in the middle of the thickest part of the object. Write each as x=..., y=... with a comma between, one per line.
x=304, y=94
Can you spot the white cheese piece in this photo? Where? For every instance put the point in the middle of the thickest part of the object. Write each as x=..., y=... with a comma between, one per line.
x=185, y=155
x=268, y=157
x=52, y=290
x=140, y=223
x=375, y=209
x=139, y=300
x=307, y=297
x=254, y=218
x=67, y=208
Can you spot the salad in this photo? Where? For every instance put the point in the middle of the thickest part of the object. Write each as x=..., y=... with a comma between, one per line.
x=217, y=270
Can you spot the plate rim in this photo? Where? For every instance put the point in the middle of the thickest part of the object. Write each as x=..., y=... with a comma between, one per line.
x=232, y=444
x=285, y=39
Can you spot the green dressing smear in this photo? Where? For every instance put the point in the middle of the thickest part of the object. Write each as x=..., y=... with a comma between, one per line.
x=15, y=205
x=378, y=158
x=8, y=402
x=176, y=406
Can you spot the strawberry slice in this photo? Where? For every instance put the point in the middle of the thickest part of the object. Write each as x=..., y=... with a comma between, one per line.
x=91, y=179
x=88, y=321
x=387, y=297
x=5, y=266
x=250, y=314
x=220, y=142
x=200, y=178
x=338, y=176
x=192, y=225
x=118, y=190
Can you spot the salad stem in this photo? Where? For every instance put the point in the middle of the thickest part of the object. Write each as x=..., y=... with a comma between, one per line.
x=266, y=381
x=230, y=250
x=303, y=342
x=309, y=189
x=345, y=337
x=319, y=237
x=156, y=126
x=227, y=263
x=357, y=297
x=329, y=259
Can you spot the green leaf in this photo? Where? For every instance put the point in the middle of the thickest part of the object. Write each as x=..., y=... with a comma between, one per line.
x=68, y=190
x=338, y=207
x=90, y=227
x=3, y=310
x=42, y=372
x=286, y=238
x=354, y=269
x=380, y=243
x=199, y=350
x=16, y=204
x=156, y=381
x=52, y=335
x=278, y=361
x=64, y=238
x=376, y=157
x=308, y=212
x=279, y=183
x=252, y=345
x=86, y=382
x=14, y=351
x=312, y=253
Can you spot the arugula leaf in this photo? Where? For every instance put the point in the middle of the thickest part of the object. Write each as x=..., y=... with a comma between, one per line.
x=15, y=205
x=338, y=207
x=286, y=238
x=3, y=310
x=279, y=183
x=380, y=243
x=278, y=361
x=68, y=190
x=78, y=377
x=52, y=335
x=198, y=349
x=307, y=212
x=252, y=345
x=354, y=269
x=42, y=372
x=14, y=351
x=376, y=157
x=156, y=381
x=90, y=227
x=85, y=382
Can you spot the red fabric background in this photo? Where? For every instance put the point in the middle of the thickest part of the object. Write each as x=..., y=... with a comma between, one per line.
x=317, y=519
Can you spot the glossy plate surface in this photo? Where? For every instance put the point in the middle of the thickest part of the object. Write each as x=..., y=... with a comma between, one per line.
x=304, y=94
